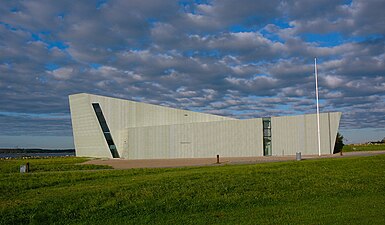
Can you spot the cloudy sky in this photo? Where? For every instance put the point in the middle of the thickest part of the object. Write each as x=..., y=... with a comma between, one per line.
x=236, y=58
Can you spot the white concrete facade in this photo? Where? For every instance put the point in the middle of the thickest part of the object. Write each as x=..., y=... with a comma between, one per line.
x=291, y=134
x=146, y=131
x=229, y=138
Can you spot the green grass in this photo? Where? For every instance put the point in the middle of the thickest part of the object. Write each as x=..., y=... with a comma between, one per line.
x=363, y=147
x=327, y=191
x=47, y=164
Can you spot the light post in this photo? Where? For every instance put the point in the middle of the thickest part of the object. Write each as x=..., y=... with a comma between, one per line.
x=316, y=94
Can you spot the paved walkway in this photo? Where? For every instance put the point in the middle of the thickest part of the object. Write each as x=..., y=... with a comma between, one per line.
x=164, y=163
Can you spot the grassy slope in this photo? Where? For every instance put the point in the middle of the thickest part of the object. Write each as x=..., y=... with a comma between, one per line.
x=351, y=148
x=328, y=191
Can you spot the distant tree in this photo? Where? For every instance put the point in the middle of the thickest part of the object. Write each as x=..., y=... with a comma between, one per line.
x=383, y=140
x=339, y=143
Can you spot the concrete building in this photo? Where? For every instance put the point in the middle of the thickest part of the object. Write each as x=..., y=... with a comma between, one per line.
x=116, y=128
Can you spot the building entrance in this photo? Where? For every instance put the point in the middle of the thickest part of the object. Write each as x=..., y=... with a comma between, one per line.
x=266, y=136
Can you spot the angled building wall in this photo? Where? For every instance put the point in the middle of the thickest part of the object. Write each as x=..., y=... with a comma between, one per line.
x=119, y=115
x=88, y=135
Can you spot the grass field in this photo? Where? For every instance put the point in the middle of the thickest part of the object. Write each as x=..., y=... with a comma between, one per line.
x=327, y=191
x=363, y=147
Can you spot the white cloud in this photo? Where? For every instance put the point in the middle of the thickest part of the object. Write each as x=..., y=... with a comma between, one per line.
x=218, y=57
x=333, y=81
x=62, y=73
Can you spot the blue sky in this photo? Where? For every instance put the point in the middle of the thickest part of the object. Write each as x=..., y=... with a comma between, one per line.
x=235, y=58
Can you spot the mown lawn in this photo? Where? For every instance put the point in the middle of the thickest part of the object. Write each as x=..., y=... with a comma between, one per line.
x=363, y=147
x=327, y=191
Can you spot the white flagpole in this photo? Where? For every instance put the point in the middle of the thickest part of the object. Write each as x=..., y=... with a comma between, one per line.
x=316, y=94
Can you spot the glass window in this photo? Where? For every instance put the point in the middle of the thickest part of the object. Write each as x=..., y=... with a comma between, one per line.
x=105, y=129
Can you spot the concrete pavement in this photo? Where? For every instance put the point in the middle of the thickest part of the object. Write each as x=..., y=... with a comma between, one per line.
x=169, y=163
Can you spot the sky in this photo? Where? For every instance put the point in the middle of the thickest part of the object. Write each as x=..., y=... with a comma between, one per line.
x=242, y=59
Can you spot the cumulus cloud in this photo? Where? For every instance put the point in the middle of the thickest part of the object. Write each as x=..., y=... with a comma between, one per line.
x=248, y=59
x=62, y=73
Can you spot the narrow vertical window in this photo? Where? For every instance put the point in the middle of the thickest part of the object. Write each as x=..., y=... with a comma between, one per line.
x=106, y=130
x=266, y=136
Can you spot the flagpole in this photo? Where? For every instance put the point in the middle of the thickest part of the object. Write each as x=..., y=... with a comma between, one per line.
x=316, y=94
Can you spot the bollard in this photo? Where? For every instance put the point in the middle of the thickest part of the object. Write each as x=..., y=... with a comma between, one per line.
x=22, y=169
x=217, y=159
x=298, y=156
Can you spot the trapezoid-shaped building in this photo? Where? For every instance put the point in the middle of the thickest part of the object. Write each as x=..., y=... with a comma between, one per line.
x=108, y=127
